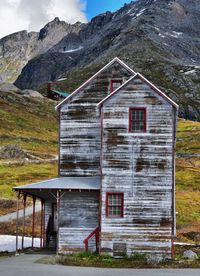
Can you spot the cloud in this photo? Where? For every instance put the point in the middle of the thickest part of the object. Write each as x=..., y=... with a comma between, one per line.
x=32, y=15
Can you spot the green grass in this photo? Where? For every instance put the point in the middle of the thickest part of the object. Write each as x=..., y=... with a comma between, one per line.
x=188, y=174
x=14, y=175
x=136, y=261
x=188, y=137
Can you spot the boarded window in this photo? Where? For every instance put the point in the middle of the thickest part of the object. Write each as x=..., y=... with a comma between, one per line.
x=114, y=84
x=114, y=204
x=137, y=119
x=119, y=249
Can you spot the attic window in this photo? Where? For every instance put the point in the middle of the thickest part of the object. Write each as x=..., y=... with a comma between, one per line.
x=114, y=204
x=137, y=119
x=114, y=84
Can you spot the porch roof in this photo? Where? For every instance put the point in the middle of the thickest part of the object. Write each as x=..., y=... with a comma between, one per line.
x=63, y=183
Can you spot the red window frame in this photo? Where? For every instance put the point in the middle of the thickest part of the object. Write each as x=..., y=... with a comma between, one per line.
x=130, y=119
x=114, y=81
x=122, y=204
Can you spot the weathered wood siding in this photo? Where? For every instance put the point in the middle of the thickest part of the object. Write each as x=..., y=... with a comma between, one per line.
x=78, y=218
x=80, y=130
x=141, y=166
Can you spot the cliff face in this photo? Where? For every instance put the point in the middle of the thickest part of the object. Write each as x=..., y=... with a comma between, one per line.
x=158, y=38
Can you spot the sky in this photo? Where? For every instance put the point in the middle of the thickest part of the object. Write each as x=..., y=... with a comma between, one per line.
x=32, y=15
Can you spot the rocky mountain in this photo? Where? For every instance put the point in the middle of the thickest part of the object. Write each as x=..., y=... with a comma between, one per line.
x=160, y=39
x=18, y=48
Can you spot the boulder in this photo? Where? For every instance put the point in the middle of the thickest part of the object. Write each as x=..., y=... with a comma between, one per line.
x=189, y=254
x=8, y=87
x=12, y=151
x=31, y=93
x=154, y=259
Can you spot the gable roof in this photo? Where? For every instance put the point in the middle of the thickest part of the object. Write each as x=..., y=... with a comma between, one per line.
x=138, y=75
x=116, y=59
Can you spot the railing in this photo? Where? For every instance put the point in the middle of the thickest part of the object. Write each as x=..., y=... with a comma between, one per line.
x=95, y=233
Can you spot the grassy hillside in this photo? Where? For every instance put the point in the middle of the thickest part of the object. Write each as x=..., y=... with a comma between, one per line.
x=188, y=179
x=29, y=125
x=32, y=125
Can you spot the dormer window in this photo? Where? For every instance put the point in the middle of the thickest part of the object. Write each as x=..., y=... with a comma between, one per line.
x=114, y=84
x=137, y=119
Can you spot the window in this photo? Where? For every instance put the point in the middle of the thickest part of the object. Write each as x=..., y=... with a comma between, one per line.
x=114, y=204
x=114, y=84
x=137, y=119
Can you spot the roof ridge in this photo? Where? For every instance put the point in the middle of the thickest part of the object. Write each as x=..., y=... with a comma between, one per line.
x=156, y=89
x=96, y=74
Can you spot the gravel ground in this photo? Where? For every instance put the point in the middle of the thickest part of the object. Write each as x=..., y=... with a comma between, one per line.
x=24, y=265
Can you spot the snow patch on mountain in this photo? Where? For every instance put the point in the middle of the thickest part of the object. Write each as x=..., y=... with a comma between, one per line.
x=174, y=34
x=71, y=50
x=140, y=13
x=190, y=72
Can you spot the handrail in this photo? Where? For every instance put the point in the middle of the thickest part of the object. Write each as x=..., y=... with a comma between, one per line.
x=96, y=233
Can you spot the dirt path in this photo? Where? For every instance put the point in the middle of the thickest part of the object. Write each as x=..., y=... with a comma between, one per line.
x=12, y=216
x=28, y=161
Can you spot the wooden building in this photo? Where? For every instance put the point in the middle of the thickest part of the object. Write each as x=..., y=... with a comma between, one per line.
x=115, y=191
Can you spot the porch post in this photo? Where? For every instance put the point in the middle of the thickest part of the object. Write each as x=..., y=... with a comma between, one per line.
x=58, y=217
x=17, y=222
x=23, y=227
x=41, y=224
x=33, y=221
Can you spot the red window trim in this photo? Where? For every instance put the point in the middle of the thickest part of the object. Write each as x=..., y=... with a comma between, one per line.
x=122, y=204
x=145, y=119
x=111, y=84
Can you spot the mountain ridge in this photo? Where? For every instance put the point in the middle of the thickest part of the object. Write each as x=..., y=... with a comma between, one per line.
x=18, y=48
x=160, y=39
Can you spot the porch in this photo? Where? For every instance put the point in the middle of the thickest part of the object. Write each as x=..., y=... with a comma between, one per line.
x=69, y=213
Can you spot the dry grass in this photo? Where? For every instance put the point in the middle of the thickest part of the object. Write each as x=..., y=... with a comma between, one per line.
x=9, y=228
